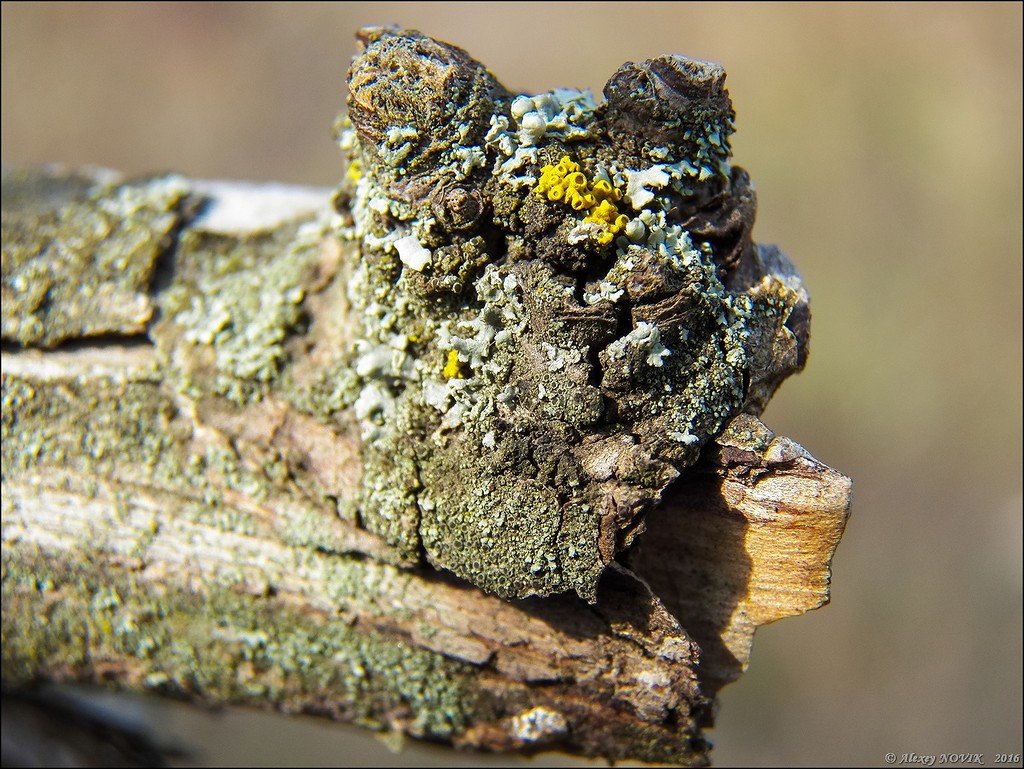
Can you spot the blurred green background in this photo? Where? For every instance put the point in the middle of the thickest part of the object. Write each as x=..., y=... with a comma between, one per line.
x=885, y=143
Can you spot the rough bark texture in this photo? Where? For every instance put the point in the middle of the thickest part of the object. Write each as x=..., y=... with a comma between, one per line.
x=194, y=502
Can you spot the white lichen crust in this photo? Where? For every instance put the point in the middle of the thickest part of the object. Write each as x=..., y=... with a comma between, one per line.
x=559, y=303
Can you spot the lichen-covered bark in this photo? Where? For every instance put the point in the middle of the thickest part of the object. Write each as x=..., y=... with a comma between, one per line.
x=557, y=304
x=390, y=456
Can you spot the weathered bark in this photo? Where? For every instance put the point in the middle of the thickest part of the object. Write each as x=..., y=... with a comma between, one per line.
x=176, y=520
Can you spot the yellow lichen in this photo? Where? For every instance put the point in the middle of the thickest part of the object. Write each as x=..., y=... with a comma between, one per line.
x=453, y=368
x=565, y=183
x=355, y=170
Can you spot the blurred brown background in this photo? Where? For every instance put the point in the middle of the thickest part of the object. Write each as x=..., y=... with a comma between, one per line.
x=885, y=142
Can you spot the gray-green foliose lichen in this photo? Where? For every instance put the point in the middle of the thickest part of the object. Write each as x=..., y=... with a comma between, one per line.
x=80, y=252
x=559, y=304
x=234, y=301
